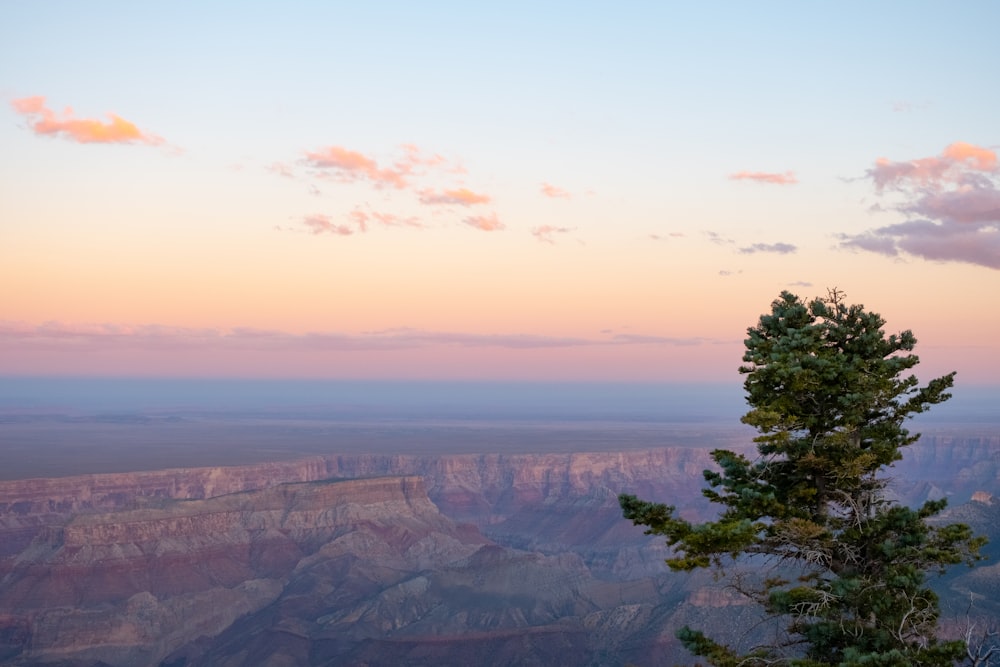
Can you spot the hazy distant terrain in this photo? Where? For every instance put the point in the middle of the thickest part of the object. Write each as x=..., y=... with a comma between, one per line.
x=71, y=426
x=65, y=426
x=387, y=524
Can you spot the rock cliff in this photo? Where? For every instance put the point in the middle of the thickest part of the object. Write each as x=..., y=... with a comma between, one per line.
x=381, y=559
x=127, y=587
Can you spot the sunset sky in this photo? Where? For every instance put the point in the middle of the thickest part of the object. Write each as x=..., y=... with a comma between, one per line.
x=509, y=191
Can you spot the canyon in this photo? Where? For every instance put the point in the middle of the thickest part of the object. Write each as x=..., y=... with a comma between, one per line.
x=397, y=558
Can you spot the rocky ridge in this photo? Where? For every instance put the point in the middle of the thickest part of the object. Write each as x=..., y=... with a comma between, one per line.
x=373, y=559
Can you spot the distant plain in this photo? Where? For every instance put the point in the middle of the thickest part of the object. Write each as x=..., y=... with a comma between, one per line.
x=56, y=427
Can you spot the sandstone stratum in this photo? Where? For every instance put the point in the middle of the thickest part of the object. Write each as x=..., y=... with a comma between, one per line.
x=361, y=559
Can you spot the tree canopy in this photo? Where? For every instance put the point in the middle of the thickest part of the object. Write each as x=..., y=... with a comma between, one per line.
x=842, y=567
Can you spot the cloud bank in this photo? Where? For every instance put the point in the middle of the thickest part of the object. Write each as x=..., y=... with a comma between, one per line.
x=951, y=200
x=46, y=122
x=55, y=335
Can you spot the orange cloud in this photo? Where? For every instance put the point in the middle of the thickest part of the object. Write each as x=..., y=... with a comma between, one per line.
x=461, y=197
x=486, y=223
x=787, y=178
x=976, y=157
x=44, y=121
x=550, y=190
x=350, y=165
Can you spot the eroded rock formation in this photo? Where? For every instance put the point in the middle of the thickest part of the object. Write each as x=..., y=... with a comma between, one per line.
x=376, y=559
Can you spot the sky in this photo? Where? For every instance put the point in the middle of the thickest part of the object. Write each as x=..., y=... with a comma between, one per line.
x=606, y=192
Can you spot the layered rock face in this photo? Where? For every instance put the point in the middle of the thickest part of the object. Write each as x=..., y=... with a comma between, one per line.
x=548, y=501
x=125, y=587
x=341, y=560
x=374, y=560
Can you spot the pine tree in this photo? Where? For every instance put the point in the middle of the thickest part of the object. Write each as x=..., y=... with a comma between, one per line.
x=841, y=567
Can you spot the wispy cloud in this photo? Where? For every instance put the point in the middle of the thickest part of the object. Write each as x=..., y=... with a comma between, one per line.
x=393, y=220
x=414, y=156
x=786, y=178
x=46, y=122
x=952, y=201
x=56, y=335
x=281, y=169
x=546, y=233
x=717, y=239
x=640, y=339
x=321, y=224
x=486, y=223
x=554, y=192
x=357, y=220
x=903, y=106
x=458, y=196
x=779, y=248
x=671, y=235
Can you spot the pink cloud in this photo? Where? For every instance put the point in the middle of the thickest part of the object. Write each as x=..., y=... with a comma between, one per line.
x=348, y=165
x=392, y=220
x=887, y=173
x=324, y=224
x=545, y=233
x=460, y=197
x=360, y=218
x=44, y=121
x=414, y=156
x=321, y=224
x=486, y=223
x=550, y=190
x=787, y=178
x=956, y=161
x=953, y=201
